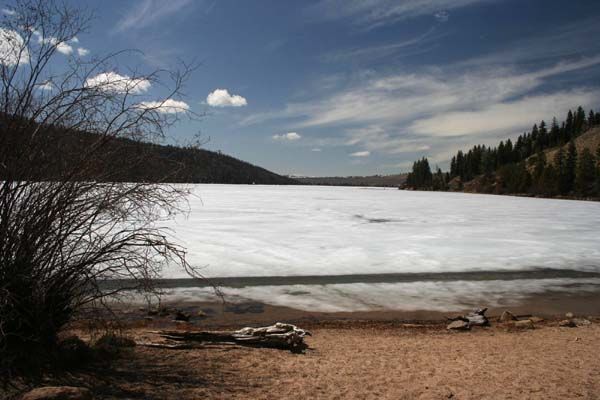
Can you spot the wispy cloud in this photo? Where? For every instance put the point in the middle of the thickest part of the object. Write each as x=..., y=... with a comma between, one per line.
x=290, y=136
x=408, y=47
x=503, y=117
x=147, y=12
x=442, y=16
x=360, y=154
x=375, y=13
x=552, y=43
x=438, y=108
x=405, y=96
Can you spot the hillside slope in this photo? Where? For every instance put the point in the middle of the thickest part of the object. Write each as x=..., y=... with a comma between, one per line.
x=588, y=140
x=56, y=151
x=193, y=165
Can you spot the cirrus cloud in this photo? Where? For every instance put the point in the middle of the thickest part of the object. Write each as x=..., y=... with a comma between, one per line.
x=222, y=98
x=360, y=154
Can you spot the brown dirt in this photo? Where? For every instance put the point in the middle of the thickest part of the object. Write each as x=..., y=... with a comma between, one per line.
x=366, y=360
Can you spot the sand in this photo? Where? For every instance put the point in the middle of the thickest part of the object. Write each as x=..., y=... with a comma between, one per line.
x=364, y=355
x=365, y=360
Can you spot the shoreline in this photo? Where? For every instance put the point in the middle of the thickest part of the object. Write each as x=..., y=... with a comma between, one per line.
x=215, y=314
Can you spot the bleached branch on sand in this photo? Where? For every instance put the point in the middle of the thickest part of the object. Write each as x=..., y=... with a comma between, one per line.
x=280, y=335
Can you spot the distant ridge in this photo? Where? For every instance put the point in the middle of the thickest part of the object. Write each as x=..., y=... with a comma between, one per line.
x=396, y=180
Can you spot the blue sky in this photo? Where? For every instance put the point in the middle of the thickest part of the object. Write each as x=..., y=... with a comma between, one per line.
x=347, y=87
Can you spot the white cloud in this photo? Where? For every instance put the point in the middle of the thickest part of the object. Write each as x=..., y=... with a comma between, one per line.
x=9, y=12
x=149, y=11
x=222, y=98
x=82, y=52
x=316, y=150
x=113, y=82
x=46, y=86
x=361, y=154
x=64, y=48
x=12, y=48
x=75, y=39
x=291, y=136
x=168, y=106
x=61, y=47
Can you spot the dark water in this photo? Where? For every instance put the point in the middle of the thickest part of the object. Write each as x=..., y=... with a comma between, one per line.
x=475, y=276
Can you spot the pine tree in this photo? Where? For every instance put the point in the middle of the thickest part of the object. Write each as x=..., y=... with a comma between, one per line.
x=420, y=177
x=543, y=135
x=571, y=167
x=554, y=133
x=586, y=173
x=460, y=167
x=538, y=172
x=439, y=180
x=487, y=163
x=579, y=121
x=453, y=168
x=568, y=127
x=550, y=180
x=535, y=139
x=561, y=171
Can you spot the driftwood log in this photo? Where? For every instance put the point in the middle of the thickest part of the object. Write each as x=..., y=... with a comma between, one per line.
x=475, y=318
x=280, y=335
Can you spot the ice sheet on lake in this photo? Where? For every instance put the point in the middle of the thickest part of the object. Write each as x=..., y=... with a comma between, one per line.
x=242, y=230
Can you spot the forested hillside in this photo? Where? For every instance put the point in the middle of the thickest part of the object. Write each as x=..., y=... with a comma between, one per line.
x=126, y=160
x=555, y=160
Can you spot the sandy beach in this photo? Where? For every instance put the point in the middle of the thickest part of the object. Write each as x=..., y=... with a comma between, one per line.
x=370, y=355
x=365, y=360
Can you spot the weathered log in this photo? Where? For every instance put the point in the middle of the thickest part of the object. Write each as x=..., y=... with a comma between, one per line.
x=475, y=318
x=172, y=346
x=279, y=335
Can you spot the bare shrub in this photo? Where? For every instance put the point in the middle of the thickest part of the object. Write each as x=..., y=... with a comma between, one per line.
x=69, y=220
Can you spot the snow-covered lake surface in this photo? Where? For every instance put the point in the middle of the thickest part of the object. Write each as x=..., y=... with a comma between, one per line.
x=274, y=231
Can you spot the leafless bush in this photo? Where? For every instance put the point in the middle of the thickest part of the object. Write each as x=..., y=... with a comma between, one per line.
x=66, y=223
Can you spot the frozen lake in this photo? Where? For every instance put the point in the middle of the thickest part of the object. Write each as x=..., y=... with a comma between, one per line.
x=275, y=231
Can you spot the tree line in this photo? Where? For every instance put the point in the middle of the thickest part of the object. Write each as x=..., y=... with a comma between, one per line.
x=522, y=167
